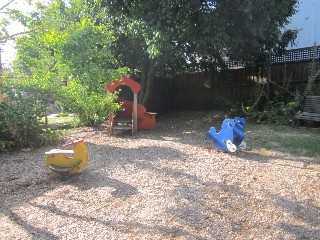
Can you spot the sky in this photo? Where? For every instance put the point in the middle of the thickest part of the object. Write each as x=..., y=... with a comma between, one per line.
x=307, y=20
x=8, y=51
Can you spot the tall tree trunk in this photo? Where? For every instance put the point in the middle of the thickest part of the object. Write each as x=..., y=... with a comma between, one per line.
x=149, y=83
x=144, y=79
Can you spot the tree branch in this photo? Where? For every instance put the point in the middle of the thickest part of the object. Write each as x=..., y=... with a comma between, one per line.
x=6, y=5
x=13, y=36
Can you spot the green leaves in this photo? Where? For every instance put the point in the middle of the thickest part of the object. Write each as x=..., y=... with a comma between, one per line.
x=84, y=50
x=248, y=29
x=91, y=107
x=69, y=44
x=19, y=120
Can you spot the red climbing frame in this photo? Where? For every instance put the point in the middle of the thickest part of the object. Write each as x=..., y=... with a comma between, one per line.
x=133, y=116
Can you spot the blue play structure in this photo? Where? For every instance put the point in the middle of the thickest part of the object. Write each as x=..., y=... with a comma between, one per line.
x=231, y=135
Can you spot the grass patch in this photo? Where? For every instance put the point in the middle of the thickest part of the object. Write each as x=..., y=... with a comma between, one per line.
x=296, y=141
x=58, y=126
x=61, y=122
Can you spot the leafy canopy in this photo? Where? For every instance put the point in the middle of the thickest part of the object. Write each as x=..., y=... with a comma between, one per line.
x=67, y=46
x=243, y=29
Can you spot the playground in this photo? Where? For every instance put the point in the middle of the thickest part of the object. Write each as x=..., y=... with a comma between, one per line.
x=166, y=183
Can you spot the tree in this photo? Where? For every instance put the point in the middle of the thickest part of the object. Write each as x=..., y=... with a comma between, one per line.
x=65, y=46
x=9, y=14
x=212, y=25
x=4, y=35
x=202, y=30
x=145, y=51
x=163, y=37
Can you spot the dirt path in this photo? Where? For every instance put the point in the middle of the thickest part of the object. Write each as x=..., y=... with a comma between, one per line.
x=169, y=183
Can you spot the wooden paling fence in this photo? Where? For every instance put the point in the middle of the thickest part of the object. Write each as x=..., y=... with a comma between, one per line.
x=204, y=91
x=196, y=91
x=293, y=70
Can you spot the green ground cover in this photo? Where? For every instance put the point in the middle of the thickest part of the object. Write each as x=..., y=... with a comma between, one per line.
x=301, y=141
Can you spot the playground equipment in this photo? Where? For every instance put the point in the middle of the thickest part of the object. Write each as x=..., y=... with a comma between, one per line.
x=67, y=162
x=231, y=135
x=132, y=116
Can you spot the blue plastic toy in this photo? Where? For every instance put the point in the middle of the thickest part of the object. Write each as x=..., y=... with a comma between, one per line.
x=231, y=135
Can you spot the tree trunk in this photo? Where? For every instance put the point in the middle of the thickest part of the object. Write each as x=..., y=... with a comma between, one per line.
x=144, y=79
x=147, y=81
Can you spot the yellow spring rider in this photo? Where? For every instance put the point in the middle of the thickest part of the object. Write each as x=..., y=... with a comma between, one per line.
x=68, y=162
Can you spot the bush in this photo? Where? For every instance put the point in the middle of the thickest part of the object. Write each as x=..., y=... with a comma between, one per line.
x=19, y=125
x=280, y=110
x=91, y=107
x=19, y=122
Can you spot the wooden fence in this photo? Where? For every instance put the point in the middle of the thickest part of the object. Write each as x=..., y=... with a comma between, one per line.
x=198, y=91
x=292, y=70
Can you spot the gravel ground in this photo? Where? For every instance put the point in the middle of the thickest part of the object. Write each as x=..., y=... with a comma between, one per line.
x=167, y=183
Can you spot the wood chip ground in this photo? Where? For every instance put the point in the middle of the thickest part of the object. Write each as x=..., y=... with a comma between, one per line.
x=167, y=183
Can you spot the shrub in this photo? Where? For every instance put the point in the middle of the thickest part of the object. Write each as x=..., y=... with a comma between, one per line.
x=19, y=125
x=19, y=122
x=280, y=110
x=91, y=107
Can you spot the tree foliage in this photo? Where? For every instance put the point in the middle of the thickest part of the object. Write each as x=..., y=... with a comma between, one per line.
x=4, y=21
x=67, y=47
x=245, y=29
x=86, y=41
x=198, y=34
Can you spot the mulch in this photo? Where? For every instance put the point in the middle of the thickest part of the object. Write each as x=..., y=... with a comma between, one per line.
x=167, y=183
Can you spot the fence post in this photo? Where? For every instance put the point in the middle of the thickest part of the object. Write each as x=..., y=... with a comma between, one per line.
x=268, y=81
